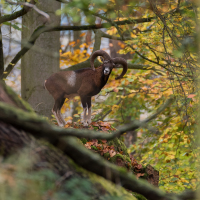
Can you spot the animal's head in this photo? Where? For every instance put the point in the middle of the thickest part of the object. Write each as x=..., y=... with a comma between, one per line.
x=108, y=62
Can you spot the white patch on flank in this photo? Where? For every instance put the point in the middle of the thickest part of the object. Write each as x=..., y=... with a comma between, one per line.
x=71, y=80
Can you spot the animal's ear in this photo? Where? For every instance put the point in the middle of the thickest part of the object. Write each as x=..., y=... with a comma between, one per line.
x=101, y=58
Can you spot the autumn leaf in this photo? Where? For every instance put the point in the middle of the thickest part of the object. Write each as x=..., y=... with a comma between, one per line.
x=104, y=129
x=112, y=153
x=139, y=174
x=95, y=124
x=191, y=95
x=72, y=43
x=104, y=124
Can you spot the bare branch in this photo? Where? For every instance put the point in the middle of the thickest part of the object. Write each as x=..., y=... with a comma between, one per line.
x=31, y=6
x=15, y=15
x=43, y=29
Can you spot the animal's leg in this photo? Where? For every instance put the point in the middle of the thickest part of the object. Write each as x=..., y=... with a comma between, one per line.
x=56, y=111
x=89, y=110
x=59, y=113
x=84, y=104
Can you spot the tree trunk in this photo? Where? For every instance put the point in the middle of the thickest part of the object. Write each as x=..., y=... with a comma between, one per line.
x=1, y=53
x=37, y=67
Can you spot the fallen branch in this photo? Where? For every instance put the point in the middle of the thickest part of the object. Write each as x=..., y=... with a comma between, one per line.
x=42, y=128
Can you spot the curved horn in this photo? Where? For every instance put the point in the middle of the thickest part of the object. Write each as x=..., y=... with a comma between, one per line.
x=123, y=62
x=98, y=53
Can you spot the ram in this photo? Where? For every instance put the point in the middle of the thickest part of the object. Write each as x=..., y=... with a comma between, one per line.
x=83, y=82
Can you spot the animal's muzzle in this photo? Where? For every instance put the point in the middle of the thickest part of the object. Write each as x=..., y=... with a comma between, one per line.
x=106, y=71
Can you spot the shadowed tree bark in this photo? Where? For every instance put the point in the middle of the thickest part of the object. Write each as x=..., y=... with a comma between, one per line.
x=1, y=53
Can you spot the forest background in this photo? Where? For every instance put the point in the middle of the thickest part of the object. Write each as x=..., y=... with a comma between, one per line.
x=160, y=43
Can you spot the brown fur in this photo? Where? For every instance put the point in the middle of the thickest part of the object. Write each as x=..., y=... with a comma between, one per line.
x=87, y=84
x=84, y=82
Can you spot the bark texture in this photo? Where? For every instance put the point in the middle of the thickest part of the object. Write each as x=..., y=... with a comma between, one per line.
x=37, y=67
x=1, y=53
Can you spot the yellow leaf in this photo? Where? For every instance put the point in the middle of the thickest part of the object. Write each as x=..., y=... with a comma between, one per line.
x=82, y=34
x=68, y=118
x=115, y=107
x=62, y=110
x=72, y=43
x=83, y=45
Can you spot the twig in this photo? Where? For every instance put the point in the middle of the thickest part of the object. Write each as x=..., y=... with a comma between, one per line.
x=31, y=6
x=42, y=29
x=15, y=15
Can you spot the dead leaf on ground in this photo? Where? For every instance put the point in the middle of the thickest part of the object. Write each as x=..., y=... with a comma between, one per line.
x=104, y=141
x=104, y=129
x=104, y=124
x=139, y=174
x=95, y=124
x=112, y=153
x=95, y=142
x=139, y=166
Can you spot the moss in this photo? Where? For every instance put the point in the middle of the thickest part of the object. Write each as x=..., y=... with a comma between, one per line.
x=96, y=128
x=100, y=141
x=123, y=157
x=139, y=196
x=83, y=140
x=114, y=158
x=108, y=189
x=122, y=170
x=119, y=146
x=106, y=155
x=112, y=189
x=20, y=102
x=93, y=147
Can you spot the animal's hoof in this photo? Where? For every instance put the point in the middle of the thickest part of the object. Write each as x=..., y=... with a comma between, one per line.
x=85, y=124
x=61, y=125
